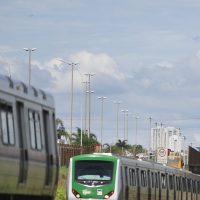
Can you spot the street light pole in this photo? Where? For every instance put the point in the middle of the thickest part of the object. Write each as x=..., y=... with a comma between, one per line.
x=29, y=50
x=117, y=103
x=102, y=100
x=150, y=120
x=136, y=129
x=89, y=100
x=124, y=112
x=85, y=120
x=72, y=65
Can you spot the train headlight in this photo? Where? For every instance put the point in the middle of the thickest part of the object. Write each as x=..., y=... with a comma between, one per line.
x=76, y=194
x=107, y=196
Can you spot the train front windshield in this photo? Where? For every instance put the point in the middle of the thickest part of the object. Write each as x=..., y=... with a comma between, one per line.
x=93, y=171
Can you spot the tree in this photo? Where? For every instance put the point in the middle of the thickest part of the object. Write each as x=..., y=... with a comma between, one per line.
x=60, y=129
x=122, y=144
x=107, y=147
x=91, y=141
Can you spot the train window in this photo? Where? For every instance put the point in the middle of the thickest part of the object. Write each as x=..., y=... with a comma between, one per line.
x=94, y=172
x=126, y=175
x=35, y=131
x=163, y=181
x=184, y=184
x=171, y=182
x=148, y=178
x=177, y=183
x=138, y=177
x=132, y=176
x=156, y=180
x=7, y=124
x=143, y=178
x=198, y=187
x=189, y=185
x=194, y=186
x=152, y=180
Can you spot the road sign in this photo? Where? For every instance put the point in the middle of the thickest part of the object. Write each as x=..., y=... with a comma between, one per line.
x=162, y=155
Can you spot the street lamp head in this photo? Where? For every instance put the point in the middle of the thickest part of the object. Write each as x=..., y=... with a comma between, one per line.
x=89, y=91
x=102, y=97
x=89, y=74
x=61, y=60
x=28, y=49
x=124, y=110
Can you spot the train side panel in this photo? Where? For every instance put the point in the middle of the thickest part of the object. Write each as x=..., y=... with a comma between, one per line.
x=28, y=153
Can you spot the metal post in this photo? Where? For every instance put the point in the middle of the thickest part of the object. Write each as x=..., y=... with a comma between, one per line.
x=117, y=103
x=29, y=50
x=89, y=101
x=102, y=99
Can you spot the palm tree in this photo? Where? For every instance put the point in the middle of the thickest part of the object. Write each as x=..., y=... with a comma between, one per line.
x=122, y=144
x=60, y=129
x=91, y=141
x=107, y=147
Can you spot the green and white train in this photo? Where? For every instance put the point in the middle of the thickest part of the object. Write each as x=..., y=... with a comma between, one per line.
x=101, y=176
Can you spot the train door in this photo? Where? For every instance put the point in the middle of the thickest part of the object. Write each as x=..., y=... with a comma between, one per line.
x=123, y=178
x=171, y=190
x=157, y=186
x=194, y=190
x=163, y=184
x=184, y=189
x=133, y=189
x=153, y=191
x=189, y=189
x=143, y=184
x=22, y=143
x=150, y=185
x=49, y=156
x=198, y=190
x=178, y=188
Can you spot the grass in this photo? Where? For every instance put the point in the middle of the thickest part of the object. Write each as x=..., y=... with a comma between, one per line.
x=61, y=190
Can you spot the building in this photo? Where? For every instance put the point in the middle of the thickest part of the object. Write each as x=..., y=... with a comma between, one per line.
x=167, y=138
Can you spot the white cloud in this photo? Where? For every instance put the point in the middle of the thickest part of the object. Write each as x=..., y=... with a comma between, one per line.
x=100, y=63
x=165, y=65
x=196, y=137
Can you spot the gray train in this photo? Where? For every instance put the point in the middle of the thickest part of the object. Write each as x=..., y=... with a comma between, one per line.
x=28, y=152
x=100, y=176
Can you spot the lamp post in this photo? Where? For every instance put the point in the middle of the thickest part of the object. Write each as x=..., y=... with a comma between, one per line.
x=102, y=100
x=72, y=65
x=89, y=110
x=150, y=120
x=29, y=50
x=124, y=112
x=85, y=109
x=117, y=103
x=89, y=99
x=136, y=129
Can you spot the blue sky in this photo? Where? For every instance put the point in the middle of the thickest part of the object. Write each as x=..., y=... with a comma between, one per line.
x=144, y=53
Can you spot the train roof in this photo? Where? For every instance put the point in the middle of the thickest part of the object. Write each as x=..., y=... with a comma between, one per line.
x=22, y=90
x=139, y=163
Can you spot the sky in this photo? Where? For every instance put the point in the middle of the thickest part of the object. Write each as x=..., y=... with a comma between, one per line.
x=145, y=54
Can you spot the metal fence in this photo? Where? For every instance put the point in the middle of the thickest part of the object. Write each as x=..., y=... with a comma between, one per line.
x=66, y=151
